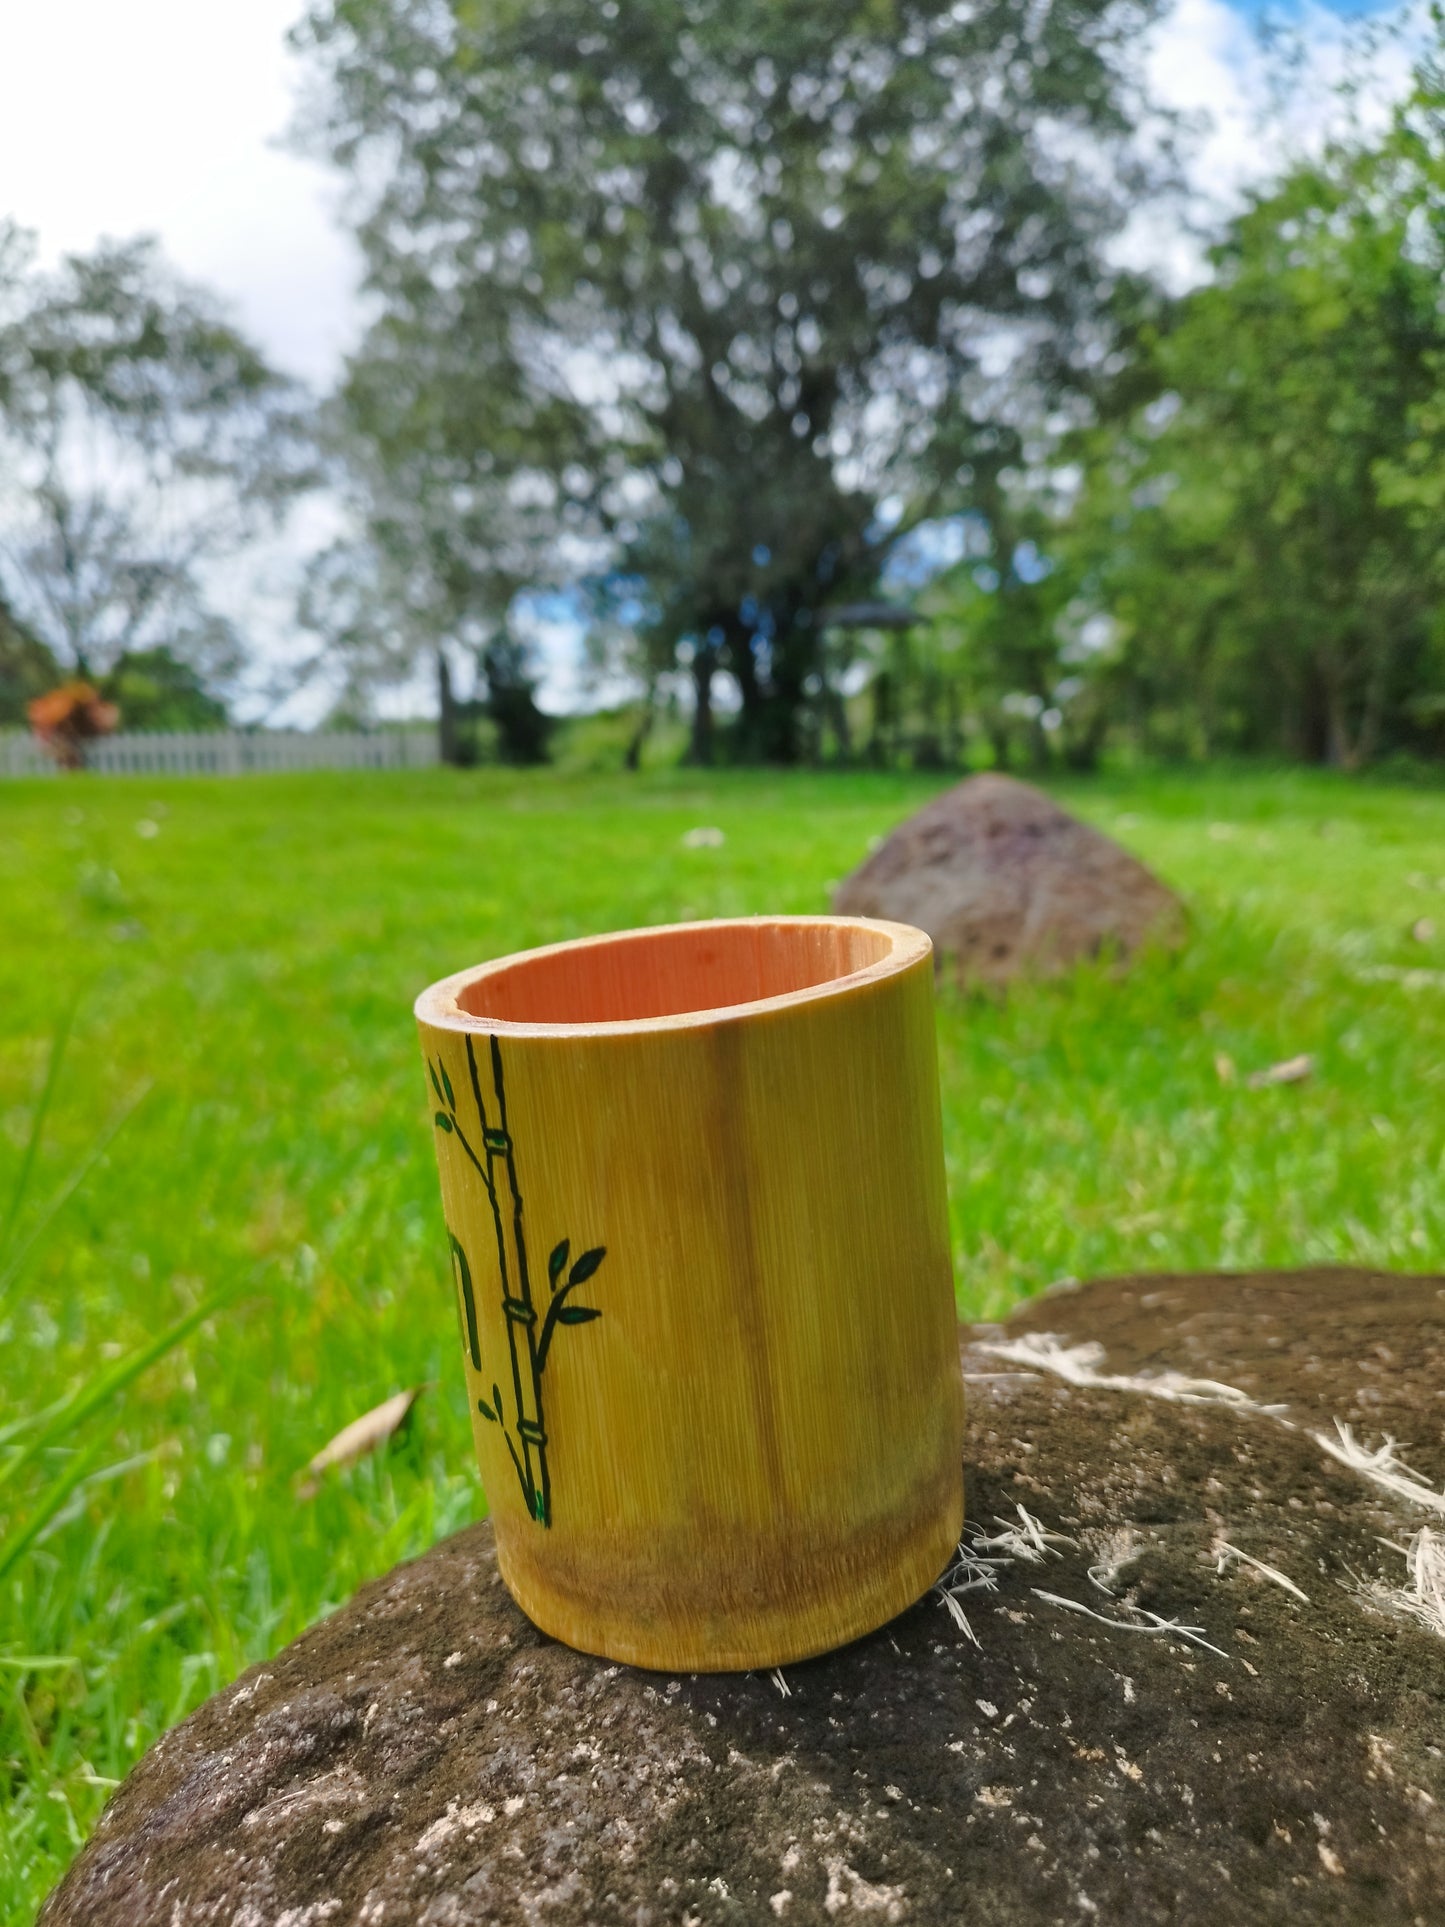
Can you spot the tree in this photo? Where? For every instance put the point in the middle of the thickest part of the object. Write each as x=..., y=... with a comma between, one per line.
x=1028, y=671
x=155, y=689
x=142, y=440
x=510, y=701
x=1262, y=520
x=687, y=290
x=27, y=668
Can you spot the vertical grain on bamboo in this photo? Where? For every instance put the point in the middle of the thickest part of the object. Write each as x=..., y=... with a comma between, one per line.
x=754, y=1452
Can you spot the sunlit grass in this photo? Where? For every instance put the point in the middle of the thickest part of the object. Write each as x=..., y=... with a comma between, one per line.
x=242, y=974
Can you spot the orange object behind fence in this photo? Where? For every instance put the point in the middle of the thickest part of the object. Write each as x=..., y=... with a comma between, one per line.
x=65, y=719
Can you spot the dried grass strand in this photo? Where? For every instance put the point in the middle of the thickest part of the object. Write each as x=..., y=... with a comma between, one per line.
x=1079, y=1365
x=1146, y=1623
x=1224, y=1551
x=1382, y=1467
x=1424, y=1596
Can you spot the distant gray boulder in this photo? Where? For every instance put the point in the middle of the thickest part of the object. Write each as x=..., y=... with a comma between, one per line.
x=1009, y=884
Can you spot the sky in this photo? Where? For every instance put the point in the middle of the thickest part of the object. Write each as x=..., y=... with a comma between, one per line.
x=169, y=117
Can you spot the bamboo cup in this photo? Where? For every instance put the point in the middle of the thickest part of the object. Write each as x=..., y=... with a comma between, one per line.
x=694, y=1192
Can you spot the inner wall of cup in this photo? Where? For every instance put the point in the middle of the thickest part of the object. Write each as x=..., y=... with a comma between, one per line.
x=665, y=973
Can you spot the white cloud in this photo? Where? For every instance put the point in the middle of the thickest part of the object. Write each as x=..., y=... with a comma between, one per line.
x=1205, y=61
x=164, y=117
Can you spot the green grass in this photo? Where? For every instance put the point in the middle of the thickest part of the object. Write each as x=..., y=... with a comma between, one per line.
x=250, y=969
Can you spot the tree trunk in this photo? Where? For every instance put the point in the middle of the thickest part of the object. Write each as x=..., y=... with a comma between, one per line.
x=632, y=756
x=781, y=714
x=1342, y=751
x=751, y=733
x=704, y=667
x=1307, y=733
x=835, y=708
x=997, y=731
x=448, y=747
x=880, y=742
x=950, y=722
x=1377, y=685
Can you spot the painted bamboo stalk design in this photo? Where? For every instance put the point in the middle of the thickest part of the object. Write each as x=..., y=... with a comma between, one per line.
x=528, y=1345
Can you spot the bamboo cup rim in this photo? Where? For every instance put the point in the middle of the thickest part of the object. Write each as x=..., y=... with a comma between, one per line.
x=476, y=1000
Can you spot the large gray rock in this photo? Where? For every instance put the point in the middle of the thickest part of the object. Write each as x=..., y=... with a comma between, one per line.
x=425, y=1756
x=1005, y=882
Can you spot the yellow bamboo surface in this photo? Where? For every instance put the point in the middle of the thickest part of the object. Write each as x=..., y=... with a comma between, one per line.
x=722, y=1427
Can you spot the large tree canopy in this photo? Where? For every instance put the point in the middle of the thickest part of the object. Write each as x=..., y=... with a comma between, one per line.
x=1266, y=531
x=1244, y=547
x=142, y=438
x=685, y=290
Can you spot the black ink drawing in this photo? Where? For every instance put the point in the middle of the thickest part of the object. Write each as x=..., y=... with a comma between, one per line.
x=530, y=1346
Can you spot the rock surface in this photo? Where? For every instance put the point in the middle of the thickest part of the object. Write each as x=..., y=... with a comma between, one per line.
x=1005, y=882
x=425, y=1756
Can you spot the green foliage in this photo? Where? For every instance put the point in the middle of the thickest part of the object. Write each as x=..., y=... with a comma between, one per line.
x=284, y=1154
x=27, y=668
x=631, y=737
x=1010, y=649
x=1262, y=521
x=154, y=689
x=678, y=298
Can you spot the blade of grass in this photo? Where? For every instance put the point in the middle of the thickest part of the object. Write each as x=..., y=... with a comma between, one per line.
x=50, y=1502
x=27, y=1419
x=13, y=1266
x=37, y=1126
x=90, y=1397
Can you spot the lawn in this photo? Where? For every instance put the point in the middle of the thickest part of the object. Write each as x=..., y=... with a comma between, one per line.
x=240, y=958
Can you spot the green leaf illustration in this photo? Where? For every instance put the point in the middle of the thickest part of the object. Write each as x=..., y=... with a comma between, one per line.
x=469, y=1304
x=447, y=1082
x=530, y=1325
x=527, y=1489
x=559, y=1312
x=442, y=1121
x=431, y=1073
x=586, y=1265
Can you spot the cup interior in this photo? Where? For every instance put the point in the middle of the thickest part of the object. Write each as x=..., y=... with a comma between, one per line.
x=668, y=972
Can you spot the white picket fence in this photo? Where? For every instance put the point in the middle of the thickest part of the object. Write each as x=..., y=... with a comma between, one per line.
x=228, y=752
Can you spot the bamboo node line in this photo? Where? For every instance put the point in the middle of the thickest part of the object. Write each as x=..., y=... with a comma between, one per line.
x=528, y=1354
